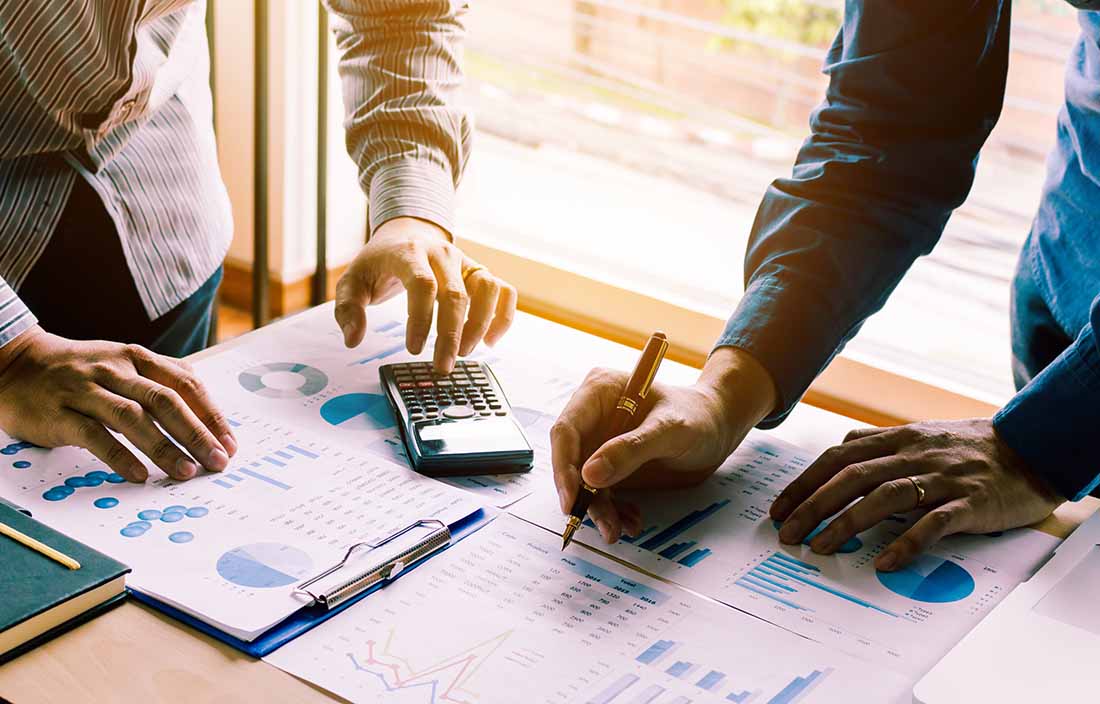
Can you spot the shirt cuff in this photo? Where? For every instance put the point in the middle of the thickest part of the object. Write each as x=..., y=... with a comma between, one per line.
x=15, y=317
x=411, y=188
x=1051, y=423
x=790, y=331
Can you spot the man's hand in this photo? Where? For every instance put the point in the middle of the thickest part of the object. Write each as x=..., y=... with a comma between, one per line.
x=56, y=392
x=418, y=256
x=972, y=482
x=685, y=434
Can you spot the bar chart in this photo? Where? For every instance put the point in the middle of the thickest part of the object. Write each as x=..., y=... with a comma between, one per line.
x=266, y=468
x=663, y=541
x=784, y=579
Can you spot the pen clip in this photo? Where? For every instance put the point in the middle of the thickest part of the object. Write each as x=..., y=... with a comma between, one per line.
x=376, y=572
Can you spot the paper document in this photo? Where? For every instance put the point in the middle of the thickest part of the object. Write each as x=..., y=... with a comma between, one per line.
x=228, y=547
x=505, y=617
x=719, y=540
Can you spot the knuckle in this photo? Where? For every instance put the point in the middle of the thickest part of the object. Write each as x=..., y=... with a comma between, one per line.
x=137, y=353
x=454, y=296
x=101, y=372
x=942, y=518
x=854, y=474
x=161, y=400
x=894, y=491
x=127, y=413
x=164, y=450
x=423, y=284
x=186, y=366
x=844, y=524
x=908, y=545
x=117, y=455
x=87, y=433
x=189, y=385
x=561, y=430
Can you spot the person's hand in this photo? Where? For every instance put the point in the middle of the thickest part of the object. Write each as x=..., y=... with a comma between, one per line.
x=972, y=482
x=56, y=392
x=684, y=435
x=419, y=257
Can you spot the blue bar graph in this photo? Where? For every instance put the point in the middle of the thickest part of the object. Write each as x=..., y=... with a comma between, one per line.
x=223, y=483
x=679, y=668
x=613, y=690
x=235, y=478
x=741, y=697
x=648, y=694
x=654, y=653
x=684, y=524
x=675, y=549
x=695, y=557
x=284, y=454
x=382, y=354
x=272, y=460
x=782, y=577
x=234, y=423
x=799, y=686
x=629, y=539
x=711, y=680
x=263, y=478
x=303, y=453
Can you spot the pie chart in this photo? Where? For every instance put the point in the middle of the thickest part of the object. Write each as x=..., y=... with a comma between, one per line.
x=264, y=565
x=930, y=579
x=283, y=380
x=359, y=411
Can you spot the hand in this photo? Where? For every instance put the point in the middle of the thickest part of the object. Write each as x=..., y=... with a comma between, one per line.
x=419, y=256
x=972, y=481
x=684, y=435
x=56, y=392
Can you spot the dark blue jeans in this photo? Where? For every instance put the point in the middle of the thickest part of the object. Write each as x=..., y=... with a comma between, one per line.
x=1037, y=338
x=82, y=289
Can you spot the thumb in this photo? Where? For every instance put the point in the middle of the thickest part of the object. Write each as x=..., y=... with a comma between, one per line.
x=621, y=456
x=352, y=298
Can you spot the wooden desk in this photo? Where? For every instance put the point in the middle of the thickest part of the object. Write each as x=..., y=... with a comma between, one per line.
x=135, y=654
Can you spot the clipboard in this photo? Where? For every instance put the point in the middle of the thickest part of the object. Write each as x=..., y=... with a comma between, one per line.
x=354, y=581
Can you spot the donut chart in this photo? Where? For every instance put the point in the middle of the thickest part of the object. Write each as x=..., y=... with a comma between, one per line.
x=283, y=380
x=930, y=579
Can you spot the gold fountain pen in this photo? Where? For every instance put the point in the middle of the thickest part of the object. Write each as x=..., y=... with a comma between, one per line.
x=637, y=388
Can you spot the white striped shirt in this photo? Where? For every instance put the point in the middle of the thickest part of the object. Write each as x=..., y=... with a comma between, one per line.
x=117, y=92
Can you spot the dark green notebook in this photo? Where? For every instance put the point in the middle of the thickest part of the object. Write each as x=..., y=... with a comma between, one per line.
x=40, y=598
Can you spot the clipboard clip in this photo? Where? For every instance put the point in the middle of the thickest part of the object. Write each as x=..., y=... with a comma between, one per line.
x=376, y=571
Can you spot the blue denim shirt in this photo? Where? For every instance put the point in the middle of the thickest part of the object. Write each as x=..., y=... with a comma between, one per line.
x=914, y=90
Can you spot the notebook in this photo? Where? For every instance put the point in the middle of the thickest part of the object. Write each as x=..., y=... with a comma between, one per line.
x=39, y=598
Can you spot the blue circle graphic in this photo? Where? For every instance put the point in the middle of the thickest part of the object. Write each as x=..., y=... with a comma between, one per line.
x=182, y=536
x=135, y=529
x=21, y=464
x=850, y=545
x=197, y=512
x=171, y=516
x=79, y=482
x=115, y=479
x=58, y=493
x=358, y=411
x=106, y=502
x=175, y=508
x=149, y=514
x=264, y=565
x=313, y=380
x=930, y=579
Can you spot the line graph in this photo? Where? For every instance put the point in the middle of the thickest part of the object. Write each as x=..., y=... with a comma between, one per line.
x=442, y=682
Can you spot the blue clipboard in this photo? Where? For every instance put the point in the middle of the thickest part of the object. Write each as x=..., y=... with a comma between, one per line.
x=306, y=618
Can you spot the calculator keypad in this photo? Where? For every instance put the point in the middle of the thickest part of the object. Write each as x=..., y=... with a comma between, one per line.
x=466, y=392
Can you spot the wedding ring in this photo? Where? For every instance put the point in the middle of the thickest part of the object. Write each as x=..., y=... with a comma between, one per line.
x=468, y=270
x=920, y=491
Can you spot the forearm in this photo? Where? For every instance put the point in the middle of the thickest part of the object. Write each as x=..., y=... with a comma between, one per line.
x=915, y=89
x=15, y=317
x=1051, y=423
x=400, y=70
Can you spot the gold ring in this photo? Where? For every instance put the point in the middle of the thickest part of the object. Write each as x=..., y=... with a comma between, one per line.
x=467, y=270
x=920, y=491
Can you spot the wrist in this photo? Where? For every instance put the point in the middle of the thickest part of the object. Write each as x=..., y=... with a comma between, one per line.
x=744, y=387
x=14, y=350
x=408, y=227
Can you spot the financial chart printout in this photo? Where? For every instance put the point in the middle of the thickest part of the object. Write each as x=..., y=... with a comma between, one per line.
x=505, y=617
x=229, y=547
x=718, y=539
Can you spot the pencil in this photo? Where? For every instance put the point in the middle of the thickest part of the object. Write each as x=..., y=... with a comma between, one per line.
x=39, y=547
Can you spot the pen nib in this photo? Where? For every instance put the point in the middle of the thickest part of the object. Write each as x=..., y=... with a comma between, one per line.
x=567, y=536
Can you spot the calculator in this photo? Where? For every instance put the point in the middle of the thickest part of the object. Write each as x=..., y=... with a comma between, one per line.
x=455, y=424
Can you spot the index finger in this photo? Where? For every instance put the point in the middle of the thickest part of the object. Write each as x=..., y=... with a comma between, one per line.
x=577, y=428
x=412, y=269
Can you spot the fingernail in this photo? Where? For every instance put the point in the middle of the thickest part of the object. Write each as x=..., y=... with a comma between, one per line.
x=416, y=344
x=229, y=443
x=790, y=531
x=186, y=469
x=138, y=474
x=218, y=460
x=886, y=560
x=598, y=470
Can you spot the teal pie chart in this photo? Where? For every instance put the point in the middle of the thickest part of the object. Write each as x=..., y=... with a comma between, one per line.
x=930, y=579
x=360, y=411
x=264, y=565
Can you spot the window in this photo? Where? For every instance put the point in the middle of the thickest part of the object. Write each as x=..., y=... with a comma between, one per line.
x=608, y=129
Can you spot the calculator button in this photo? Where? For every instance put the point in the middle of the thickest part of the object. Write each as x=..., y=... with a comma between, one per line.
x=425, y=384
x=415, y=417
x=486, y=413
x=431, y=408
x=445, y=383
x=406, y=385
x=482, y=382
x=458, y=412
x=463, y=382
x=494, y=406
x=502, y=413
x=479, y=406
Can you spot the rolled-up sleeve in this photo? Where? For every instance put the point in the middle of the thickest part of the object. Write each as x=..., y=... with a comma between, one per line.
x=914, y=90
x=15, y=317
x=400, y=68
x=1052, y=422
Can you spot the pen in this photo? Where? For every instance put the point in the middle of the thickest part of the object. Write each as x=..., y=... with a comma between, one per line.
x=42, y=548
x=637, y=388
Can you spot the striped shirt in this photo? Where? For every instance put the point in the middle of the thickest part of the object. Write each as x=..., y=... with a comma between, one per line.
x=117, y=92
